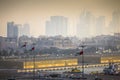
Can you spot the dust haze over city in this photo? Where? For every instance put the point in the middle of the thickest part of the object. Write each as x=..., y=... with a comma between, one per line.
x=59, y=39
x=37, y=12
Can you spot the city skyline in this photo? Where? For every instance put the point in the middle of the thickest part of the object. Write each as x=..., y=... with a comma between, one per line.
x=36, y=13
x=17, y=30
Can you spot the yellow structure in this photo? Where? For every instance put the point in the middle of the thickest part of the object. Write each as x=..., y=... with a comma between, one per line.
x=75, y=70
x=50, y=63
x=111, y=59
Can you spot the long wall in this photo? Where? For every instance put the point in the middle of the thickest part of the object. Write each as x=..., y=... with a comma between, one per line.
x=110, y=59
x=51, y=63
x=54, y=62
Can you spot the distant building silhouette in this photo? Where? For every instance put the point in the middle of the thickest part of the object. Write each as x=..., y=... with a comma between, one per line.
x=116, y=21
x=100, y=25
x=86, y=25
x=12, y=30
x=57, y=26
x=17, y=30
x=24, y=30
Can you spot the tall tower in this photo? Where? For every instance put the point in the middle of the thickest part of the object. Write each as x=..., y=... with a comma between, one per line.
x=100, y=25
x=15, y=30
x=57, y=26
x=26, y=29
x=10, y=29
x=116, y=21
x=86, y=25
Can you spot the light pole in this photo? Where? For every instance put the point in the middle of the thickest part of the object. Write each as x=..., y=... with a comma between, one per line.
x=24, y=46
x=32, y=49
x=34, y=67
x=82, y=53
x=25, y=60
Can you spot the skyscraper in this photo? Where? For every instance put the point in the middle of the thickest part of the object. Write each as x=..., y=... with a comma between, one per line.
x=100, y=25
x=10, y=26
x=15, y=30
x=12, y=30
x=116, y=21
x=26, y=29
x=20, y=29
x=86, y=25
x=57, y=26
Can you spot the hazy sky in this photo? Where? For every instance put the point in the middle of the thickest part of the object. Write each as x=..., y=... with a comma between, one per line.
x=36, y=12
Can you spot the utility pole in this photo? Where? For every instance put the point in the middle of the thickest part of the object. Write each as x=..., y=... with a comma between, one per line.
x=82, y=62
x=34, y=67
x=32, y=50
x=25, y=50
x=25, y=60
x=82, y=53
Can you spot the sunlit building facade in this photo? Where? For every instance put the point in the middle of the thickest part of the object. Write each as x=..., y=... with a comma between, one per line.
x=31, y=64
x=111, y=59
x=38, y=63
x=50, y=63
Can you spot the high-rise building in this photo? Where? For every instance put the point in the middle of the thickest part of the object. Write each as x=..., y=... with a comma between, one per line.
x=86, y=25
x=12, y=30
x=57, y=26
x=15, y=30
x=10, y=26
x=100, y=25
x=26, y=29
x=116, y=21
x=20, y=29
